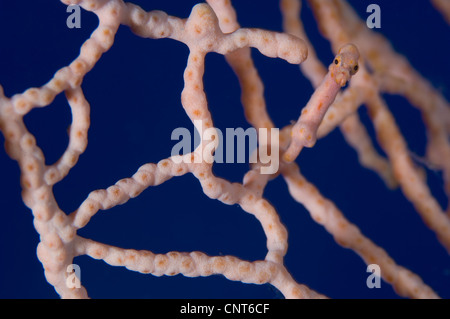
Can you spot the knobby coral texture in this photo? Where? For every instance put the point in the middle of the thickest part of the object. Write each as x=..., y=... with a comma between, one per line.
x=88, y=178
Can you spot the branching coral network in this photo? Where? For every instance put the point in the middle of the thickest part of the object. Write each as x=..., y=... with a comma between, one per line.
x=350, y=88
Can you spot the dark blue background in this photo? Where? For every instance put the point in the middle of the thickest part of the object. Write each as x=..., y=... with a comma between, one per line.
x=134, y=93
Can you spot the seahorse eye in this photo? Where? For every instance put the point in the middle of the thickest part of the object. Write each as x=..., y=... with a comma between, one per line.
x=356, y=68
x=336, y=61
